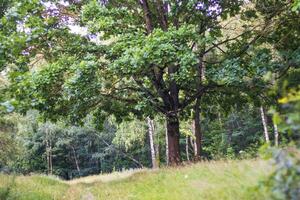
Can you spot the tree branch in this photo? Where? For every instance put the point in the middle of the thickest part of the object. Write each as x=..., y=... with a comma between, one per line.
x=147, y=15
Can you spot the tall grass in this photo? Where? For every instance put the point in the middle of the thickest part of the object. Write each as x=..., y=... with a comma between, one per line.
x=7, y=184
x=218, y=180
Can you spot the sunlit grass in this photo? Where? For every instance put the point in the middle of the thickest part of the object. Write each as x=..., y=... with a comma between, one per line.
x=207, y=180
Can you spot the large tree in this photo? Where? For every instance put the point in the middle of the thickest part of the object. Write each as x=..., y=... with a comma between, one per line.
x=138, y=55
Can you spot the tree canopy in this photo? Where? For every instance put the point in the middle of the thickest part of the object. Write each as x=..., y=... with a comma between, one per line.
x=70, y=59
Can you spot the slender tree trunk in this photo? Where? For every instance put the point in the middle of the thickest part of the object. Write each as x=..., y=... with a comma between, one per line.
x=197, y=131
x=76, y=161
x=265, y=125
x=156, y=145
x=276, y=134
x=173, y=139
x=187, y=148
x=221, y=127
x=50, y=158
x=151, y=137
x=192, y=141
x=197, y=126
x=167, y=145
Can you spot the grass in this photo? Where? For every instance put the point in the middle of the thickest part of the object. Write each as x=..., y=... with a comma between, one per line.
x=219, y=180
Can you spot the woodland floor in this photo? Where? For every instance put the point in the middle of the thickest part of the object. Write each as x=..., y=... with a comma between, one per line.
x=219, y=180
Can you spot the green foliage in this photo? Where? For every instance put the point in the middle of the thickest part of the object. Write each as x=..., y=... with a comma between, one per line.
x=95, y=150
x=114, y=74
x=9, y=147
x=284, y=181
x=237, y=136
x=130, y=133
x=296, y=5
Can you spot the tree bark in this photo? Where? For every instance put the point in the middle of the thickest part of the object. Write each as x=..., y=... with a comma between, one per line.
x=173, y=140
x=197, y=126
x=192, y=141
x=197, y=131
x=221, y=126
x=170, y=93
x=147, y=15
x=160, y=8
x=152, y=147
x=76, y=161
x=167, y=145
x=50, y=158
x=276, y=134
x=187, y=148
x=265, y=125
x=156, y=146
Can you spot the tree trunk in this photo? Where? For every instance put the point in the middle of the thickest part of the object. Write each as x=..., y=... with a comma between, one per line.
x=197, y=126
x=276, y=134
x=192, y=141
x=156, y=147
x=265, y=125
x=221, y=127
x=147, y=15
x=197, y=131
x=173, y=140
x=167, y=145
x=76, y=161
x=50, y=158
x=187, y=148
x=151, y=137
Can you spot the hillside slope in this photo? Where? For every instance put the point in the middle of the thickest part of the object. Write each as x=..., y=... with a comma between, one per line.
x=207, y=180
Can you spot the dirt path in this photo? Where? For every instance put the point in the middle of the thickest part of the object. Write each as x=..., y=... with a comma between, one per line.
x=79, y=190
x=104, y=178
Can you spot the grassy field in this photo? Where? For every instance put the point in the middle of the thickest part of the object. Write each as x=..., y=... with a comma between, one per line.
x=236, y=180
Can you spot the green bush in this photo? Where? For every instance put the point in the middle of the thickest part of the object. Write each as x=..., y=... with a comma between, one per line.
x=284, y=182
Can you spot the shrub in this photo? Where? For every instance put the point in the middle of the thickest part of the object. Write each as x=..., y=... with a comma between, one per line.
x=284, y=182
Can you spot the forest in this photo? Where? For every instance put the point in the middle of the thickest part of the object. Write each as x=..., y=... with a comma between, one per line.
x=149, y=99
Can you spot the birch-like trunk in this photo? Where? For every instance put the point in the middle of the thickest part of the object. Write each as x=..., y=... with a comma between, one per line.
x=193, y=141
x=156, y=146
x=50, y=158
x=197, y=131
x=76, y=161
x=151, y=137
x=276, y=134
x=265, y=125
x=187, y=148
x=167, y=146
